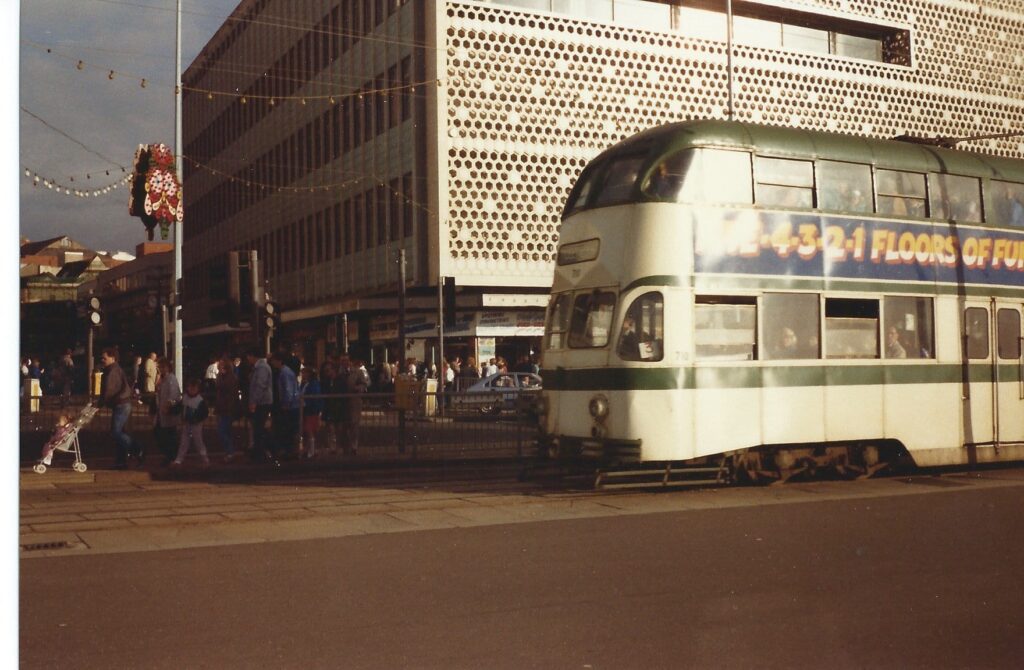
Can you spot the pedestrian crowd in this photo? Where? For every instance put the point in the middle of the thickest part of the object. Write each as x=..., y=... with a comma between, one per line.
x=271, y=393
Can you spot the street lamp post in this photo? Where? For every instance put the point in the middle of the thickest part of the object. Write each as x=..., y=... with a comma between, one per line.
x=176, y=309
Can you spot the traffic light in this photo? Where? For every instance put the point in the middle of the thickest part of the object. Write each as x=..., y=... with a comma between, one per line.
x=243, y=283
x=448, y=301
x=271, y=315
x=95, y=314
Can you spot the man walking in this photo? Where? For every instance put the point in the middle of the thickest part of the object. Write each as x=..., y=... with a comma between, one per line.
x=116, y=393
x=261, y=399
x=286, y=419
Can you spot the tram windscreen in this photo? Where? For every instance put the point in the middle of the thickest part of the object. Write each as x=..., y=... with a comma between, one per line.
x=696, y=175
x=591, y=320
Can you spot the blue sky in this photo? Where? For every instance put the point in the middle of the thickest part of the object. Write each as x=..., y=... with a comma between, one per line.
x=111, y=117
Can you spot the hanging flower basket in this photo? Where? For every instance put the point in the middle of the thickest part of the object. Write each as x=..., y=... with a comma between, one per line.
x=156, y=192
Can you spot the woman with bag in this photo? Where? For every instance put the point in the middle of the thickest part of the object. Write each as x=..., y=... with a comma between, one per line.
x=227, y=405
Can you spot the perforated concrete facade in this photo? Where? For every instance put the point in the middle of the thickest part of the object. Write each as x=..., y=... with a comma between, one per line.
x=509, y=106
x=529, y=97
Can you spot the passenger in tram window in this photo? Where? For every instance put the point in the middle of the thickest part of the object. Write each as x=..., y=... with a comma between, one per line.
x=893, y=348
x=787, y=345
x=629, y=341
x=662, y=184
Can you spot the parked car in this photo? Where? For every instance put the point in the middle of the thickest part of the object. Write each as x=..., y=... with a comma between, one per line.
x=497, y=393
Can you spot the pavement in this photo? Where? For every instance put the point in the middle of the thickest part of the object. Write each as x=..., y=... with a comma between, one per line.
x=101, y=511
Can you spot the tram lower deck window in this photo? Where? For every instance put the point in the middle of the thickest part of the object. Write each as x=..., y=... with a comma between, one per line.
x=851, y=328
x=725, y=328
x=909, y=327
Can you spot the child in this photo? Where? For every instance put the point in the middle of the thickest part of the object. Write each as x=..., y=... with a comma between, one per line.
x=312, y=408
x=64, y=428
x=193, y=413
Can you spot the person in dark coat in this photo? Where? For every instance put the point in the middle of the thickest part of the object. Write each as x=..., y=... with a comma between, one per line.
x=116, y=393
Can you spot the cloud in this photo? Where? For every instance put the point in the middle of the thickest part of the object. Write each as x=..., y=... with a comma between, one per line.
x=112, y=117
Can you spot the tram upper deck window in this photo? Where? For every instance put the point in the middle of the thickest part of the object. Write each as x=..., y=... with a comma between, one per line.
x=642, y=335
x=714, y=176
x=1008, y=203
x=953, y=197
x=791, y=326
x=616, y=186
x=844, y=187
x=909, y=327
x=783, y=182
x=591, y=319
x=851, y=328
x=725, y=328
x=558, y=320
x=901, y=193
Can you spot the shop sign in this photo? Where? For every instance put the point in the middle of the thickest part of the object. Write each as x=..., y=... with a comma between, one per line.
x=511, y=324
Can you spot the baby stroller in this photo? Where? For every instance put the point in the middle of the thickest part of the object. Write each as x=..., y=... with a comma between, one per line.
x=65, y=438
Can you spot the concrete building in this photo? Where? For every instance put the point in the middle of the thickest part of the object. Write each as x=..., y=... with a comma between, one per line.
x=329, y=135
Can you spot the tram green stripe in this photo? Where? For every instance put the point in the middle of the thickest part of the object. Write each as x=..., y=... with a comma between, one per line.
x=661, y=379
x=654, y=280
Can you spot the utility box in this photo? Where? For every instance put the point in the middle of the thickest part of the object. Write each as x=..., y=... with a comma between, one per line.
x=405, y=392
x=31, y=393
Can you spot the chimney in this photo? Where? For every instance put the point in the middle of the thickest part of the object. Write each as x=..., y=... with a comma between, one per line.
x=150, y=248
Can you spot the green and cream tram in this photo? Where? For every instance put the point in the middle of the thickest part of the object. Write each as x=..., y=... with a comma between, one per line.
x=787, y=299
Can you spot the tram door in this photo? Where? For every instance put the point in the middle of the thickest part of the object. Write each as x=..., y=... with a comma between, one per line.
x=993, y=378
x=1008, y=385
x=976, y=375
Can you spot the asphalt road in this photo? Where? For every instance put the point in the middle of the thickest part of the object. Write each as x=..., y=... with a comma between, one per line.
x=930, y=581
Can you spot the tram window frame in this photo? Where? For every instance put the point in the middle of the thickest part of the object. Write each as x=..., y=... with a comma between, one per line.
x=582, y=190
x=952, y=196
x=586, y=323
x=703, y=182
x=791, y=326
x=1007, y=199
x=558, y=321
x=744, y=308
x=976, y=348
x=833, y=177
x=1008, y=347
x=783, y=182
x=648, y=342
x=894, y=190
x=848, y=320
x=913, y=318
x=625, y=170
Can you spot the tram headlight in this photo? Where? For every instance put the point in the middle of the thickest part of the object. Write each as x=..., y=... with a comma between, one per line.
x=598, y=407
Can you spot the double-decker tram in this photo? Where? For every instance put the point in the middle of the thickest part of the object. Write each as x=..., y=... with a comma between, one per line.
x=777, y=300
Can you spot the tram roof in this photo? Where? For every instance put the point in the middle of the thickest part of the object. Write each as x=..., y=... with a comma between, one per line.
x=812, y=144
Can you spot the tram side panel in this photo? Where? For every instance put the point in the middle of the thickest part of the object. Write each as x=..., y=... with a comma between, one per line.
x=923, y=408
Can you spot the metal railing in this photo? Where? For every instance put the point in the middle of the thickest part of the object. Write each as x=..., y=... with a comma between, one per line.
x=416, y=425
